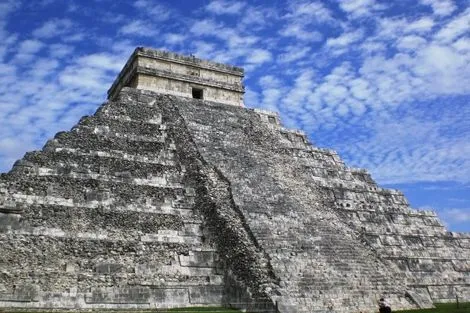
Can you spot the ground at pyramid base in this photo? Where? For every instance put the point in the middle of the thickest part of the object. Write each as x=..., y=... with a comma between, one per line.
x=440, y=308
x=174, y=195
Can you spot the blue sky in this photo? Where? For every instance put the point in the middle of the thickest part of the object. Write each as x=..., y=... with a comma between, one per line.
x=385, y=83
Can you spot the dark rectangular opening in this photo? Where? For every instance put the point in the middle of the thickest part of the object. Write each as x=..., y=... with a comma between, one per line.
x=198, y=93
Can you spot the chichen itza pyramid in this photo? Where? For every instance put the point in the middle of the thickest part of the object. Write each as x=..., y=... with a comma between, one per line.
x=173, y=195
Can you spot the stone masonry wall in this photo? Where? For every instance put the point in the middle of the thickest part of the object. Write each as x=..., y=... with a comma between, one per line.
x=319, y=261
x=164, y=201
x=102, y=218
x=175, y=74
x=424, y=259
x=183, y=88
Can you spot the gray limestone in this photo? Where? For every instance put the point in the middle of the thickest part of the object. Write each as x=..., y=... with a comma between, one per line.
x=161, y=201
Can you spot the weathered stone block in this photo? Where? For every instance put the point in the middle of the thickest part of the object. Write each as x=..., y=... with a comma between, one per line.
x=198, y=259
x=21, y=293
x=107, y=268
x=123, y=295
x=206, y=294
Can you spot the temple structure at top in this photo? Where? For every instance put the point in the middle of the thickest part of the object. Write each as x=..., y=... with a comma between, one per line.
x=186, y=76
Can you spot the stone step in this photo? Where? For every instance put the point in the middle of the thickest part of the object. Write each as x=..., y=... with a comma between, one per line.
x=155, y=118
x=81, y=190
x=123, y=111
x=172, y=179
x=154, y=274
x=162, y=236
x=164, y=157
x=87, y=252
x=169, y=206
x=111, y=127
x=63, y=162
x=72, y=218
x=87, y=141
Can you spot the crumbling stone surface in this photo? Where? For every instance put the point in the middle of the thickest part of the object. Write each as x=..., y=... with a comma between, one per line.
x=165, y=201
x=102, y=218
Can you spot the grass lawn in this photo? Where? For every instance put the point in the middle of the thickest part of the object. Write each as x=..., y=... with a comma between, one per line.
x=443, y=308
x=176, y=310
x=208, y=310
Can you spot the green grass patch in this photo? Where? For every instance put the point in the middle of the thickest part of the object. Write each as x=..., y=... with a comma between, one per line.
x=443, y=308
x=196, y=309
x=175, y=310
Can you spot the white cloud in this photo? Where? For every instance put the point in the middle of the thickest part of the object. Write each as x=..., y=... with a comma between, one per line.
x=251, y=98
x=411, y=148
x=309, y=12
x=158, y=12
x=455, y=28
x=370, y=47
x=462, y=45
x=360, y=88
x=259, y=56
x=205, y=27
x=257, y=18
x=174, y=38
x=359, y=8
x=456, y=215
x=230, y=36
x=440, y=7
x=296, y=96
x=74, y=37
x=30, y=46
x=103, y=61
x=43, y=67
x=269, y=82
x=390, y=28
x=271, y=92
x=235, y=44
x=300, y=32
x=445, y=70
x=424, y=24
x=293, y=53
x=411, y=42
x=345, y=39
x=60, y=50
x=225, y=7
x=302, y=19
x=203, y=49
x=380, y=84
x=139, y=28
x=53, y=28
x=27, y=50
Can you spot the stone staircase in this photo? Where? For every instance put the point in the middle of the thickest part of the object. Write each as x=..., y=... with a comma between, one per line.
x=162, y=201
x=320, y=263
x=101, y=217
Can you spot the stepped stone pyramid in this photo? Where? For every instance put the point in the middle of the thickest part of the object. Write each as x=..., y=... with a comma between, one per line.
x=173, y=194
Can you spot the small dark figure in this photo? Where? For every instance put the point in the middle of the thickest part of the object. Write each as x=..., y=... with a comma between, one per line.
x=384, y=307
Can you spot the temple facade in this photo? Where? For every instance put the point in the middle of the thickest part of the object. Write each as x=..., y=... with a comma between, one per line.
x=175, y=74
